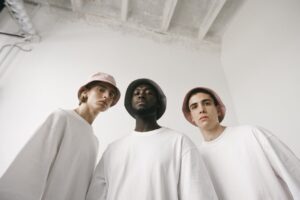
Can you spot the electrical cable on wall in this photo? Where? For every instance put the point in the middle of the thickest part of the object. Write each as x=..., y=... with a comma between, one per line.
x=12, y=46
x=27, y=33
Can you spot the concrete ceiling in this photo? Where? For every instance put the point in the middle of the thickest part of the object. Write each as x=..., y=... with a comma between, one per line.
x=196, y=20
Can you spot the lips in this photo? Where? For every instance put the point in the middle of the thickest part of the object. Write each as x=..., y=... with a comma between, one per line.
x=103, y=103
x=141, y=102
x=203, y=118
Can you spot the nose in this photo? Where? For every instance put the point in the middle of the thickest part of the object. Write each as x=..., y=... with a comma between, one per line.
x=141, y=95
x=202, y=109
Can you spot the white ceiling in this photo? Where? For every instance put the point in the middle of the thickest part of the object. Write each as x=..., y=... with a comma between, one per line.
x=196, y=20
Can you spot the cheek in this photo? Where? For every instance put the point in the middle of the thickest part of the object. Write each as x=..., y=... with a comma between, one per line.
x=111, y=101
x=93, y=95
x=193, y=116
x=133, y=100
x=214, y=113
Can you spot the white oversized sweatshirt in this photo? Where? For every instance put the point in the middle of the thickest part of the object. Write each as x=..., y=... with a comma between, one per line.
x=250, y=163
x=155, y=165
x=56, y=164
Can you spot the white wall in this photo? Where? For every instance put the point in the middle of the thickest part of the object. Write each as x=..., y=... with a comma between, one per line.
x=260, y=56
x=38, y=82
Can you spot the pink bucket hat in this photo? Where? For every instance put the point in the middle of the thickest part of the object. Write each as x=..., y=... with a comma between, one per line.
x=102, y=77
x=185, y=106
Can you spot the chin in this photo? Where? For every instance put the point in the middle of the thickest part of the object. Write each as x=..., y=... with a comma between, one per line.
x=101, y=109
x=144, y=112
x=204, y=125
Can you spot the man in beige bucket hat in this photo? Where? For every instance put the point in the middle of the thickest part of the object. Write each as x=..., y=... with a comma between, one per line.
x=58, y=161
x=245, y=162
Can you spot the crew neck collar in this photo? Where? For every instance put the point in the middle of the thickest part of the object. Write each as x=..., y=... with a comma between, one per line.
x=147, y=133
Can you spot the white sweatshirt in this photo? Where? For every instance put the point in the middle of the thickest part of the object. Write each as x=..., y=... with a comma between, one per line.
x=250, y=163
x=56, y=164
x=155, y=165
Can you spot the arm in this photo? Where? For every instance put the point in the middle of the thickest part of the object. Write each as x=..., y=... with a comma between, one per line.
x=26, y=177
x=195, y=182
x=98, y=187
x=285, y=164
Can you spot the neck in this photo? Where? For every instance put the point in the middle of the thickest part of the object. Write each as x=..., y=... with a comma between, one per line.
x=144, y=124
x=86, y=113
x=213, y=133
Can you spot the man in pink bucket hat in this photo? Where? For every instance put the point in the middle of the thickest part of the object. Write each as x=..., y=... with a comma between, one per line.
x=58, y=161
x=245, y=162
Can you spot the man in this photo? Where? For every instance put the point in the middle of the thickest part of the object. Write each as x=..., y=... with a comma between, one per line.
x=245, y=162
x=58, y=161
x=153, y=162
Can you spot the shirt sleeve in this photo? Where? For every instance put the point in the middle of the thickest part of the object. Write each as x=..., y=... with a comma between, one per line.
x=194, y=181
x=26, y=177
x=284, y=162
x=99, y=186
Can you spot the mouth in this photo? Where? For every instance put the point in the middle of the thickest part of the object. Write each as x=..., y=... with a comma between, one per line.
x=141, y=102
x=102, y=103
x=203, y=118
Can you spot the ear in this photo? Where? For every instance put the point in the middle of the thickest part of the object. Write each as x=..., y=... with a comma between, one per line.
x=84, y=95
x=191, y=117
x=84, y=92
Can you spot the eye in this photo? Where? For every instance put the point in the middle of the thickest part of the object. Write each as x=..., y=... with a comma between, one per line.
x=207, y=103
x=136, y=92
x=150, y=92
x=193, y=106
x=101, y=89
x=112, y=95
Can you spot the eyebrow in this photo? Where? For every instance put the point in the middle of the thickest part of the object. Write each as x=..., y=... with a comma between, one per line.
x=107, y=87
x=102, y=85
x=205, y=100
x=144, y=88
x=202, y=101
x=192, y=104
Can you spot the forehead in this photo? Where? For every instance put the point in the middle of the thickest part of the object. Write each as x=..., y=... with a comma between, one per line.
x=144, y=87
x=198, y=97
x=105, y=85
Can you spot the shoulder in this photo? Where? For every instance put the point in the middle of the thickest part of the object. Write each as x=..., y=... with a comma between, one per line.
x=172, y=133
x=59, y=113
x=252, y=130
x=180, y=137
x=183, y=140
x=166, y=130
x=57, y=116
x=117, y=144
x=242, y=128
x=176, y=134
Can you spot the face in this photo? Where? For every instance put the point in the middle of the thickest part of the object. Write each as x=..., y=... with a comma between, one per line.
x=203, y=111
x=100, y=96
x=144, y=100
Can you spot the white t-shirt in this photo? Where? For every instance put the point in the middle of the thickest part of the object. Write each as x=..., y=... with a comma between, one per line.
x=155, y=165
x=249, y=163
x=56, y=164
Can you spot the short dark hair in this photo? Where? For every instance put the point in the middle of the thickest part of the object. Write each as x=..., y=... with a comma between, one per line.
x=201, y=90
